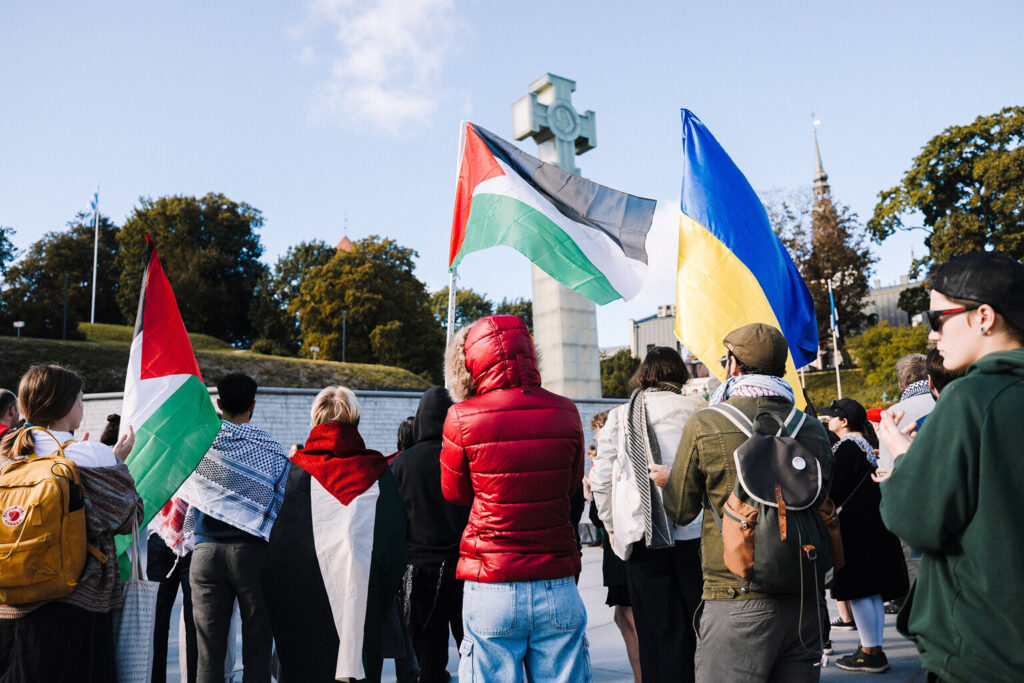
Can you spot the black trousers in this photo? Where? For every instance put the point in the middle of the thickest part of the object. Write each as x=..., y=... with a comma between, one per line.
x=57, y=643
x=664, y=588
x=435, y=607
x=160, y=560
x=220, y=573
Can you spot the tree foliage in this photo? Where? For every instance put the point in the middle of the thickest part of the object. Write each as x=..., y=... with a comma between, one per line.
x=7, y=250
x=34, y=289
x=826, y=242
x=965, y=190
x=210, y=251
x=522, y=308
x=914, y=300
x=389, y=319
x=469, y=306
x=877, y=349
x=616, y=370
x=275, y=327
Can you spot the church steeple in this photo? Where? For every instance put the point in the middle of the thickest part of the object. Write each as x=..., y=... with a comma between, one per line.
x=822, y=191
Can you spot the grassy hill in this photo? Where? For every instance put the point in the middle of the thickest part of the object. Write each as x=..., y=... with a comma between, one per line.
x=102, y=365
x=101, y=332
x=821, y=387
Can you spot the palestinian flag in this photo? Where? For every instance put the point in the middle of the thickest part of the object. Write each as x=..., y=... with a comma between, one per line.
x=335, y=559
x=588, y=237
x=165, y=400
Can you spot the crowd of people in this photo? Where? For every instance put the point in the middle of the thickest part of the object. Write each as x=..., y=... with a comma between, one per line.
x=723, y=522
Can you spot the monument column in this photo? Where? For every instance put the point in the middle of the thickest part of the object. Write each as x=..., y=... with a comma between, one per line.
x=564, y=322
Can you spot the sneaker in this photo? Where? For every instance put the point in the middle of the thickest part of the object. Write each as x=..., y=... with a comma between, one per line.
x=826, y=647
x=862, y=661
x=839, y=625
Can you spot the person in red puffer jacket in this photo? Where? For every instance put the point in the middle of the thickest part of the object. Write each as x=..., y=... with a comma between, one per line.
x=513, y=451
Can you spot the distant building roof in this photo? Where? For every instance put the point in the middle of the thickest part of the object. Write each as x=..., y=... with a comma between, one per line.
x=345, y=244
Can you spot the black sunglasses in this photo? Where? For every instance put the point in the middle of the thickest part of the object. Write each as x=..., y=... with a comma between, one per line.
x=935, y=317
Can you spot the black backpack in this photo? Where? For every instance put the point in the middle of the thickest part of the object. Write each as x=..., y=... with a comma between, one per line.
x=780, y=530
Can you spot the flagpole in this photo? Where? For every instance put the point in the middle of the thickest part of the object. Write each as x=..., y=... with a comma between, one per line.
x=452, y=276
x=835, y=339
x=95, y=249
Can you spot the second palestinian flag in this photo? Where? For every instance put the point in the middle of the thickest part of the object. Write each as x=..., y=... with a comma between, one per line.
x=165, y=400
x=589, y=237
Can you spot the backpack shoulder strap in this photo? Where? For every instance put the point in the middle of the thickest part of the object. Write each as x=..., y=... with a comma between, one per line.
x=60, y=446
x=736, y=416
x=793, y=422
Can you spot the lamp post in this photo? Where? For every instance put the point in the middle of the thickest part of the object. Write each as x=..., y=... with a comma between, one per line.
x=344, y=324
x=315, y=350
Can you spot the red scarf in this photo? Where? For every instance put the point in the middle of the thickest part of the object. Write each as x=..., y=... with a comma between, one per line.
x=336, y=456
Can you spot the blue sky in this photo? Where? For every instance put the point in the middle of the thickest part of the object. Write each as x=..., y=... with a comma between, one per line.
x=317, y=112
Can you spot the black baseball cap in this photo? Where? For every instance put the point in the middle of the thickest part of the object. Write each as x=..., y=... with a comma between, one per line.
x=988, y=277
x=847, y=409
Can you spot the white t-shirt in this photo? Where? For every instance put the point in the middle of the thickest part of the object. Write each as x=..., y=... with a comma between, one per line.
x=83, y=453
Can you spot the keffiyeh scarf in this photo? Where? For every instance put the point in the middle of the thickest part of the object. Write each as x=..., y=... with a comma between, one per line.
x=752, y=386
x=240, y=480
x=642, y=444
x=917, y=388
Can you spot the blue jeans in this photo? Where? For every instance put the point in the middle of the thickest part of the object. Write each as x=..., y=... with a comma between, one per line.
x=539, y=626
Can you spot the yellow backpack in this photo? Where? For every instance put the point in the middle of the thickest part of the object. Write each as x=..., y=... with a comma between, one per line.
x=42, y=526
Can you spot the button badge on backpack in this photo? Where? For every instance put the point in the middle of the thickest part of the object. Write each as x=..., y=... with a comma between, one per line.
x=14, y=515
x=799, y=463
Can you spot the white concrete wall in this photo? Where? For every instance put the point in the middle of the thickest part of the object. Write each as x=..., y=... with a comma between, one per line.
x=285, y=414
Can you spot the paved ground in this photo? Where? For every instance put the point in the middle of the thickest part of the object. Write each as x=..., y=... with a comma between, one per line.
x=608, y=654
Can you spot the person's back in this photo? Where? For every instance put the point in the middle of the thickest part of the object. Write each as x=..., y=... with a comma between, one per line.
x=744, y=635
x=515, y=452
x=435, y=526
x=234, y=495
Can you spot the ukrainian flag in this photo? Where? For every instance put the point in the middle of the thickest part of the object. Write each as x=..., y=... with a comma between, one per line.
x=733, y=270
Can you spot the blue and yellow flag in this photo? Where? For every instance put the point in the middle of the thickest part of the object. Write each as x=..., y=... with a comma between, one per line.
x=733, y=270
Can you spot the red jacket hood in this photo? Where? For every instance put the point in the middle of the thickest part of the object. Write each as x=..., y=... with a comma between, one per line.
x=500, y=354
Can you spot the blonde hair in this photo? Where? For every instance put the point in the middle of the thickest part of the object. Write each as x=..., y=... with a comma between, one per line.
x=335, y=404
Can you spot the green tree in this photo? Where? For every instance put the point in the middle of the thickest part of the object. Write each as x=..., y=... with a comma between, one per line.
x=469, y=306
x=877, y=349
x=965, y=190
x=914, y=300
x=210, y=250
x=826, y=241
x=522, y=308
x=34, y=290
x=387, y=309
x=7, y=250
x=616, y=370
x=275, y=327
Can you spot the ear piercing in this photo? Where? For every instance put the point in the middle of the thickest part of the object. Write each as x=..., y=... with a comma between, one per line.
x=981, y=330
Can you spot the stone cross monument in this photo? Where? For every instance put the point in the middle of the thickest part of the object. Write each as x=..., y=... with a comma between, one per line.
x=564, y=322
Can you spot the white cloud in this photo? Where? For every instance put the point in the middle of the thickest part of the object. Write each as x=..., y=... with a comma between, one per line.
x=391, y=56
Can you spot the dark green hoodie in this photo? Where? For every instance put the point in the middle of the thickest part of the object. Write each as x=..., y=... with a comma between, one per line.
x=957, y=496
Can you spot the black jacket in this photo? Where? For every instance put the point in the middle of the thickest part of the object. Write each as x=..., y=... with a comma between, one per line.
x=435, y=525
x=874, y=556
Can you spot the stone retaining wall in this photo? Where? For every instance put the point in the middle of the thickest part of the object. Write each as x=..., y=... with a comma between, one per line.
x=285, y=413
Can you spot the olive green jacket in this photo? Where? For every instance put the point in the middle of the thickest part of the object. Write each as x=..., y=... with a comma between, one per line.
x=705, y=465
